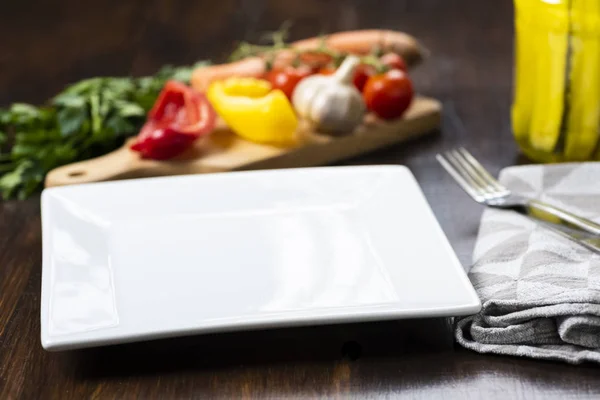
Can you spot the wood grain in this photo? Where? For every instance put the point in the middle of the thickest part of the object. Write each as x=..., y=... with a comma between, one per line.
x=469, y=70
x=224, y=151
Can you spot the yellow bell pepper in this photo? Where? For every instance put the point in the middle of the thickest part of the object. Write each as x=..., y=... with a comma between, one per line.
x=254, y=111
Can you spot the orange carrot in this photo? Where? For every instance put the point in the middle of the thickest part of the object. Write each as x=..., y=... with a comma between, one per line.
x=362, y=42
x=356, y=42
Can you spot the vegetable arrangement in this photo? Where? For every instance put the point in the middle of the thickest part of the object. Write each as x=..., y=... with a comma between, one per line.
x=367, y=73
x=262, y=94
x=87, y=119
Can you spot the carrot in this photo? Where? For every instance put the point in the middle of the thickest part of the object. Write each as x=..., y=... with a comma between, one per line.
x=356, y=42
x=362, y=42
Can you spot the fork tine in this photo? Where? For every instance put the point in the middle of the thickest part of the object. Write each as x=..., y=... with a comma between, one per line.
x=465, y=173
x=481, y=170
x=474, y=193
x=486, y=188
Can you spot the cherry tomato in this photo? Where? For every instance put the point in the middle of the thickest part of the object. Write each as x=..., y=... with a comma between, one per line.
x=287, y=78
x=361, y=75
x=389, y=94
x=394, y=61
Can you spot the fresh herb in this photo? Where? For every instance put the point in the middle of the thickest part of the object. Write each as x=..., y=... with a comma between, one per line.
x=87, y=119
x=274, y=42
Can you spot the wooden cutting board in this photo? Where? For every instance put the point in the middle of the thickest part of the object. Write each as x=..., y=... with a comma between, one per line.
x=224, y=151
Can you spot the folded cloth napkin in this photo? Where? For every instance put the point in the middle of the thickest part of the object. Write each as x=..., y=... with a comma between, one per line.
x=540, y=292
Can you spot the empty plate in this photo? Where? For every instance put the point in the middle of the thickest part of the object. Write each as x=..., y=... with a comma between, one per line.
x=161, y=257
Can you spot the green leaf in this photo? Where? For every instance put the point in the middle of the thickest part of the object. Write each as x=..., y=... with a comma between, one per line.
x=86, y=85
x=145, y=83
x=32, y=180
x=22, y=150
x=47, y=116
x=61, y=154
x=24, y=114
x=120, y=126
x=69, y=100
x=182, y=75
x=70, y=120
x=145, y=99
x=37, y=137
x=28, y=116
x=21, y=181
x=24, y=110
x=4, y=116
x=120, y=85
x=30, y=185
x=165, y=72
x=129, y=109
x=106, y=105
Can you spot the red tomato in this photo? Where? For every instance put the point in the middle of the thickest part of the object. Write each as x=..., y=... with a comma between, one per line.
x=362, y=73
x=389, y=94
x=179, y=116
x=394, y=61
x=287, y=78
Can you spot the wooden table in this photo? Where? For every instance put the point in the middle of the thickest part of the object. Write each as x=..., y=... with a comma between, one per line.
x=45, y=46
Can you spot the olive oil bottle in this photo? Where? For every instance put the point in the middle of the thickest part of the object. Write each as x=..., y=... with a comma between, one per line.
x=556, y=104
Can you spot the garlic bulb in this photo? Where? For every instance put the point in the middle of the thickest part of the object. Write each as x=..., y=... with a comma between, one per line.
x=331, y=103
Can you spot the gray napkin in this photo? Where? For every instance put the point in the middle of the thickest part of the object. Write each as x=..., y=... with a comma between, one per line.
x=540, y=292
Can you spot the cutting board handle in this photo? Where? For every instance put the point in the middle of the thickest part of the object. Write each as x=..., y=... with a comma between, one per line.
x=114, y=165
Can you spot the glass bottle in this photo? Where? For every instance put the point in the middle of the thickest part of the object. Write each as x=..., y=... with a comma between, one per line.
x=556, y=103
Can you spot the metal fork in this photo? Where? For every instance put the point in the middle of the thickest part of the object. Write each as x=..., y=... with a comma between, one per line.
x=474, y=179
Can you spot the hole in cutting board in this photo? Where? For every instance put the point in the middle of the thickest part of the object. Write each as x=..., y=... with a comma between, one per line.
x=76, y=173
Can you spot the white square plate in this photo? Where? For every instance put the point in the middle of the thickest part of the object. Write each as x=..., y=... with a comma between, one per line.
x=151, y=258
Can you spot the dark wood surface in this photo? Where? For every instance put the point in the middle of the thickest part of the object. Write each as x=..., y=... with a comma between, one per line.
x=46, y=45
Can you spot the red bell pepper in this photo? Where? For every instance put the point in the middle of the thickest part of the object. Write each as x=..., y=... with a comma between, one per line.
x=179, y=116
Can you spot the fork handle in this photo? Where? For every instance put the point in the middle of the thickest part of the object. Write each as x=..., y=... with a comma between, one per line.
x=555, y=215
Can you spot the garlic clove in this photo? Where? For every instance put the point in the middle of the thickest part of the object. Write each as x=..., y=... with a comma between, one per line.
x=345, y=73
